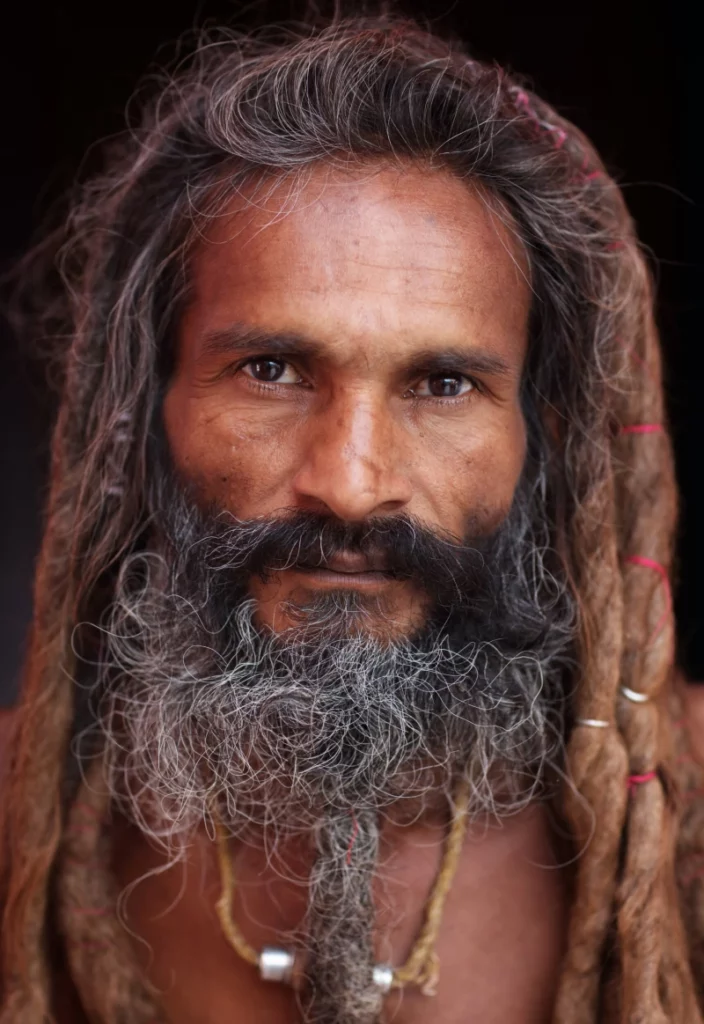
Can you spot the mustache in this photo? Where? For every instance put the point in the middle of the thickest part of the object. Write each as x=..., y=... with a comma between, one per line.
x=455, y=573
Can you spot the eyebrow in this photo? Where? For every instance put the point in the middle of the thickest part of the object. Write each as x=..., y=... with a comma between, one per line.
x=241, y=339
x=471, y=360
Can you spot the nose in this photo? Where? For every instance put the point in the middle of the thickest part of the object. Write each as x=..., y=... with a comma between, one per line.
x=352, y=466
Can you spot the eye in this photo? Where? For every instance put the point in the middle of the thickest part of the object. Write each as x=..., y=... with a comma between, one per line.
x=443, y=385
x=268, y=370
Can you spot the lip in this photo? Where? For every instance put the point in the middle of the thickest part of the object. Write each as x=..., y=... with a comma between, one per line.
x=337, y=579
x=350, y=563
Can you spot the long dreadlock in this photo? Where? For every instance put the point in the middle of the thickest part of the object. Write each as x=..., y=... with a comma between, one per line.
x=257, y=109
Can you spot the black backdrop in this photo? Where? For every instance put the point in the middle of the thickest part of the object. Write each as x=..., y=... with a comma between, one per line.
x=626, y=72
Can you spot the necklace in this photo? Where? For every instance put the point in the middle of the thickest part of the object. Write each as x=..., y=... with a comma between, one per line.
x=422, y=967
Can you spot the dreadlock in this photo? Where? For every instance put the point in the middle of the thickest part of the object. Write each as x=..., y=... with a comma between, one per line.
x=259, y=109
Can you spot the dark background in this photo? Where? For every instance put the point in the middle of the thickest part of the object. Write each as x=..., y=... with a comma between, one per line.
x=625, y=72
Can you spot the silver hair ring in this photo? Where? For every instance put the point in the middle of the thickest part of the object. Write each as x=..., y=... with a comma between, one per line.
x=637, y=698
x=595, y=723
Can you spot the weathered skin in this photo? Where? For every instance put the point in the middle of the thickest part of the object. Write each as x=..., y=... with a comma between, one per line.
x=375, y=269
x=383, y=273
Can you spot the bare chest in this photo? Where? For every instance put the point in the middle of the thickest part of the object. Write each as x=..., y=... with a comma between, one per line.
x=499, y=945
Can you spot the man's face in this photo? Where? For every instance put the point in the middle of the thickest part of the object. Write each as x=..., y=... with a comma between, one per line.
x=357, y=356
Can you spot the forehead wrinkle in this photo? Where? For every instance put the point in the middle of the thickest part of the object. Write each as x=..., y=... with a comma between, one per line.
x=462, y=291
x=322, y=185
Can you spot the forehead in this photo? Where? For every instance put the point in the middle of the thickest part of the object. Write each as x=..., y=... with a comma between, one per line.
x=374, y=258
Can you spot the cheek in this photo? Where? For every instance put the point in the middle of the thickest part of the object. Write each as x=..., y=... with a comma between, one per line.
x=240, y=462
x=472, y=470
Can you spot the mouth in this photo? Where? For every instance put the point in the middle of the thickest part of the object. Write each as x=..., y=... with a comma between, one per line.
x=347, y=570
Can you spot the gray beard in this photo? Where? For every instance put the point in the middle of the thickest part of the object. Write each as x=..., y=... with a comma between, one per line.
x=289, y=731
x=289, y=734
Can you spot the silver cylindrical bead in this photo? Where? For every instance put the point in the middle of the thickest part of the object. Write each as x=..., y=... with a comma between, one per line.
x=383, y=976
x=275, y=964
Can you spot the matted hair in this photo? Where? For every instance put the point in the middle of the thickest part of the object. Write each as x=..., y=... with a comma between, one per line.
x=269, y=106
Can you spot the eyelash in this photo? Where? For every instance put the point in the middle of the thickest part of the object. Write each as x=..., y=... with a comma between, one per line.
x=267, y=388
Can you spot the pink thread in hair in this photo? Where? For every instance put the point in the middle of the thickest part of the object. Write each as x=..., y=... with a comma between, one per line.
x=650, y=563
x=643, y=428
x=353, y=837
x=638, y=780
x=559, y=134
x=615, y=246
x=593, y=175
x=82, y=828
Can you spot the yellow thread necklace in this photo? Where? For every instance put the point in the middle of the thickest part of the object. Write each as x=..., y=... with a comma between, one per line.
x=422, y=967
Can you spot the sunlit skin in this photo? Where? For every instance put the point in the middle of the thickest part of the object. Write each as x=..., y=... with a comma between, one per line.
x=371, y=290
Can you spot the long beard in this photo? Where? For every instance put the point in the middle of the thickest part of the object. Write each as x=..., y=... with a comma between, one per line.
x=341, y=922
x=195, y=707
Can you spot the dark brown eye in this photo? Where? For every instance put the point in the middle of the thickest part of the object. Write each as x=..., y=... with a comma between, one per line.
x=270, y=370
x=267, y=370
x=447, y=385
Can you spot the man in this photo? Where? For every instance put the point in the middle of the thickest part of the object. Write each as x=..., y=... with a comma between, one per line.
x=350, y=683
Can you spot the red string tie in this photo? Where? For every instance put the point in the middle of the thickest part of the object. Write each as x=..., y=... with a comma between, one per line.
x=561, y=137
x=650, y=563
x=82, y=828
x=638, y=780
x=642, y=428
